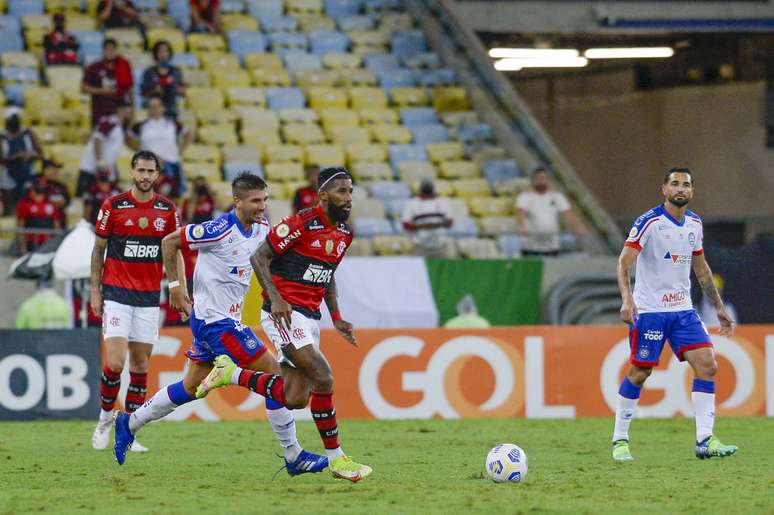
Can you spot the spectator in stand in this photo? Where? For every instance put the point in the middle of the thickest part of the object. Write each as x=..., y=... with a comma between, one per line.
x=19, y=149
x=426, y=219
x=163, y=79
x=164, y=137
x=306, y=196
x=44, y=309
x=99, y=192
x=205, y=16
x=54, y=190
x=200, y=205
x=108, y=81
x=59, y=46
x=118, y=14
x=36, y=212
x=104, y=147
x=537, y=215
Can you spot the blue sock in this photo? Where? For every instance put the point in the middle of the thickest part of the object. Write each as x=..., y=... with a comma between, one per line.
x=178, y=395
x=704, y=386
x=629, y=390
x=272, y=404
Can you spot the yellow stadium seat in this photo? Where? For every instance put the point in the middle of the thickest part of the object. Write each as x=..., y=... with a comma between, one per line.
x=512, y=187
x=33, y=38
x=466, y=188
x=378, y=116
x=331, y=117
x=360, y=247
x=211, y=116
x=357, y=78
x=204, y=98
x=443, y=187
x=390, y=133
x=158, y=21
x=138, y=58
x=279, y=208
x=195, y=78
x=278, y=191
x=126, y=38
x=233, y=21
x=304, y=6
x=309, y=22
x=298, y=115
x=258, y=118
x=172, y=36
x=76, y=100
x=395, y=22
x=223, y=195
x=358, y=153
x=55, y=116
x=197, y=153
x=47, y=134
x=322, y=97
x=306, y=79
x=457, y=118
x=283, y=154
x=336, y=61
x=263, y=60
x=450, y=99
x=77, y=135
x=36, y=22
x=243, y=153
x=478, y=248
x=325, y=155
x=20, y=60
x=40, y=98
x=219, y=62
x=347, y=134
x=65, y=78
x=449, y=151
x=416, y=171
x=65, y=153
x=303, y=134
x=260, y=137
x=368, y=171
x=409, y=97
x=198, y=43
x=369, y=208
x=246, y=97
x=375, y=39
x=393, y=245
x=362, y=98
x=459, y=170
x=489, y=206
x=284, y=172
x=230, y=78
x=270, y=77
x=498, y=225
x=207, y=170
x=217, y=135
x=485, y=153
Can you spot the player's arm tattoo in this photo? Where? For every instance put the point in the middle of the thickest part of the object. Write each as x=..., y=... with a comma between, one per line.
x=170, y=251
x=261, y=263
x=330, y=296
x=704, y=276
x=625, y=261
x=98, y=261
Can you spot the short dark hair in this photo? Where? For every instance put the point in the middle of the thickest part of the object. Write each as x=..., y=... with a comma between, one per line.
x=158, y=45
x=155, y=95
x=537, y=170
x=677, y=170
x=325, y=181
x=147, y=155
x=245, y=182
x=109, y=41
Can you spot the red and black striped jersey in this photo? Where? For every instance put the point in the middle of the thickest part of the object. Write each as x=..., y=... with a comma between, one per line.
x=133, y=262
x=308, y=248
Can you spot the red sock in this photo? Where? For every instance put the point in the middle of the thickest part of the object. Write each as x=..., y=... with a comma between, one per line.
x=135, y=394
x=270, y=386
x=324, y=415
x=108, y=388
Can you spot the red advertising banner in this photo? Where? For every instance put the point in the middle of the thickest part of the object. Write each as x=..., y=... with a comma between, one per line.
x=533, y=372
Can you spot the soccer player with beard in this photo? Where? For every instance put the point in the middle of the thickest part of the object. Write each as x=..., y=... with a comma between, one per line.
x=295, y=266
x=666, y=243
x=126, y=284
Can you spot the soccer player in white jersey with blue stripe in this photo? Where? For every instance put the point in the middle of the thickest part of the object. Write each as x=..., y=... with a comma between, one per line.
x=221, y=281
x=666, y=243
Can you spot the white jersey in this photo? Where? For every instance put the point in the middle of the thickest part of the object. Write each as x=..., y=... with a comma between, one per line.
x=663, y=275
x=223, y=271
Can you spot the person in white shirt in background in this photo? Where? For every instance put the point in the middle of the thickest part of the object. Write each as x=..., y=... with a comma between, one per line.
x=537, y=215
x=166, y=138
x=426, y=218
x=104, y=147
x=707, y=310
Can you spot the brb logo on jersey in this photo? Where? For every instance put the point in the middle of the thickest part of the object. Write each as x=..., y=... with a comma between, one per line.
x=678, y=259
x=318, y=274
x=134, y=249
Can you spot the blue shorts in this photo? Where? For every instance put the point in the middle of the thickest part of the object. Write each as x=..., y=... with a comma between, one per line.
x=225, y=336
x=683, y=329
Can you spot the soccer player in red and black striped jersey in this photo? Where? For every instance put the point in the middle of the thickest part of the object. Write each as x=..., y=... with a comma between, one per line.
x=126, y=283
x=295, y=266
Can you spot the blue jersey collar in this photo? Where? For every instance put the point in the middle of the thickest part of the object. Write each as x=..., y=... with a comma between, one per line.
x=235, y=220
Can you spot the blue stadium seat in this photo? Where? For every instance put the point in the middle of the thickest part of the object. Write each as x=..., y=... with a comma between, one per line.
x=418, y=116
x=384, y=190
x=148, y=5
x=89, y=57
x=265, y=8
x=369, y=227
x=11, y=42
x=285, y=98
x=395, y=78
x=474, y=132
x=185, y=60
x=241, y=42
x=298, y=60
x=568, y=242
x=325, y=41
x=14, y=93
x=394, y=208
x=278, y=23
x=348, y=23
x=338, y=8
x=408, y=43
x=233, y=168
x=380, y=62
x=231, y=6
x=15, y=74
x=464, y=227
x=90, y=41
x=431, y=133
x=382, y=5
x=180, y=10
x=400, y=153
x=510, y=245
x=438, y=77
x=424, y=60
x=25, y=7
x=10, y=24
x=287, y=40
x=498, y=170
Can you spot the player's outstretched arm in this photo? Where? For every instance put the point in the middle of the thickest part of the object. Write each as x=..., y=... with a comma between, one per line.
x=175, y=270
x=704, y=275
x=97, y=264
x=344, y=328
x=625, y=261
x=261, y=263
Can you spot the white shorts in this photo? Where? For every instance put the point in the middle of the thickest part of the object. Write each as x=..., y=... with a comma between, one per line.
x=303, y=331
x=130, y=322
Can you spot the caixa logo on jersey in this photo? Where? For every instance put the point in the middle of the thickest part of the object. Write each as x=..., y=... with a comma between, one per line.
x=318, y=274
x=135, y=249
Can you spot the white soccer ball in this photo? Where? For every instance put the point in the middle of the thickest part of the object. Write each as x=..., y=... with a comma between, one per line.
x=507, y=463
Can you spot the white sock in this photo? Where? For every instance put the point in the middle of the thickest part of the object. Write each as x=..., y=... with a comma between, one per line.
x=105, y=416
x=159, y=406
x=624, y=412
x=704, y=412
x=334, y=453
x=283, y=423
x=235, y=375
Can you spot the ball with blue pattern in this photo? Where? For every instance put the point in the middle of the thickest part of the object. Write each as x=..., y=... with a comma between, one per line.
x=507, y=463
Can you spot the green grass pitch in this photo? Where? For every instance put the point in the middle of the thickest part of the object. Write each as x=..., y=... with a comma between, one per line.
x=430, y=466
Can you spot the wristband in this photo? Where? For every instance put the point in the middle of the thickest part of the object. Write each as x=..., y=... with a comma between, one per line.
x=335, y=316
x=174, y=284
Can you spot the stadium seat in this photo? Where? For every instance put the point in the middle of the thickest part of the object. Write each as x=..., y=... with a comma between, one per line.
x=362, y=98
x=474, y=133
x=218, y=63
x=295, y=115
x=338, y=61
x=390, y=134
x=360, y=247
x=18, y=75
x=347, y=134
x=279, y=209
x=394, y=208
x=478, y=248
x=284, y=172
x=306, y=79
x=510, y=245
x=421, y=61
x=366, y=42
x=427, y=134
x=358, y=152
x=25, y=7
x=455, y=119
x=241, y=153
x=238, y=22
x=439, y=152
x=209, y=116
x=304, y=6
x=172, y=36
x=413, y=171
x=198, y=153
x=313, y=22
x=371, y=171
x=265, y=8
x=395, y=21
x=498, y=170
x=437, y=77
x=511, y=187
x=303, y=134
x=331, y=117
x=450, y=99
x=270, y=77
x=359, y=193
x=400, y=153
x=498, y=225
x=243, y=96
x=326, y=97
x=231, y=169
x=281, y=40
x=409, y=97
x=378, y=116
x=284, y=98
x=458, y=208
x=20, y=60
x=64, y=78
x=274, y=24
x=488, y=206
x=380, y=62
x=369, y=227
x=242, y=42
x=392, y=245
x=127, y=39
x=11, y=42
x=185, y=60
x=283, y=154
x=357, y=22
x=263, y=60
x=198, y=43
x=226, y=79
x=37, y=99
x=323, y=42
x=197, y=78
x=408, y=43
x=459, y=170
x=47, y=134
x=389, y=79
x=339, y=8
x=384, y=190
x=198, y=98
x=297, y=61
x=471, y=188
x=325, y=155
x=259, y=137
x=418, y=116
x=209, y=171
x=357, y=78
